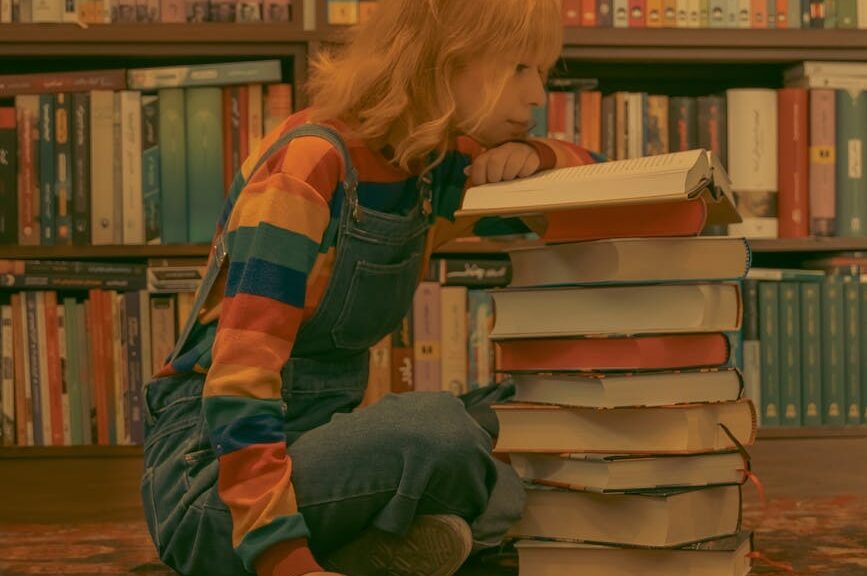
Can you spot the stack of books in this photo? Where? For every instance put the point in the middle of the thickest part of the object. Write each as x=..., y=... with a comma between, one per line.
x=629, y=423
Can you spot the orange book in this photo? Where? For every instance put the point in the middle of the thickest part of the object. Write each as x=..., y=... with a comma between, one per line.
x=793, y=165
x=588, y=13
x=653, y=16
x=637, y=353
x=55, y=384
x=759, y=14
x=571, y=13
x=680, y=218
x=98, y=354
x=22, y=406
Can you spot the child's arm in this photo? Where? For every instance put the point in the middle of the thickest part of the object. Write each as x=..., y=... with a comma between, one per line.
x=275, y=233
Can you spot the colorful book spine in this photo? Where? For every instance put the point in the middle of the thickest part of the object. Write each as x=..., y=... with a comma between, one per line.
x=793, y=163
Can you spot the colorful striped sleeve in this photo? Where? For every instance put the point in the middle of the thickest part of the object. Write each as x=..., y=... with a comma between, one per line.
x=276, y=232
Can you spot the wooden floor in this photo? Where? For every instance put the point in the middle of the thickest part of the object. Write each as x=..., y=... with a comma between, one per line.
x=814, y=517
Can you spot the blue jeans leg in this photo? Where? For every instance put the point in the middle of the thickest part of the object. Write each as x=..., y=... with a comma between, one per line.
x=409, y=454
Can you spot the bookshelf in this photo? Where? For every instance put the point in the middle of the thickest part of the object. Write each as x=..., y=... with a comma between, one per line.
x=690, y=61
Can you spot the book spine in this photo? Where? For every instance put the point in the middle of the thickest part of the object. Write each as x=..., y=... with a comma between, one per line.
x=8, y=421
x=481, y=351
x=852, y=329
x=204, y=75
x=605, y=13
x=204, y=161
x=81, y=169
x=23, y=429
x=851, y=157
x=53, y=82
x=132, y=200
x=8, y=176
x=790, y=354
x=588, y=14
x=862, y=291
x=794, y=17
x=426, y=337
x=102, y=223
x=571, y=13
x=73, y=383
x=379, y=373
x=163, y=330
x=823, y=153
x=254, y=117
x=793, y=174
x=637, y=13
x=769, y=326
x=63, y=167
x=656, y=126
x=847, y=14
x=609, y=127
x=717, y=14
x=830, y=22
x=150, y=168
x=453, y=339
x=751, y=344
x=811, y=354
x=48, y=201
x=683, y=123
x=833, y=361
x=27, y=108
x=173, y=167
x=52, y=363
x=653, y=18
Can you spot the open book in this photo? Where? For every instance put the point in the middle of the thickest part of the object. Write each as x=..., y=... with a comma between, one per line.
x=662, y=178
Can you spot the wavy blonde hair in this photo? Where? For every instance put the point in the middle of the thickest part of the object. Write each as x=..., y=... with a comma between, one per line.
x=393, y=77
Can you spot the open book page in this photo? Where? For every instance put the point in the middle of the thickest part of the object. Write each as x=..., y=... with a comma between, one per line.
x=673, y=176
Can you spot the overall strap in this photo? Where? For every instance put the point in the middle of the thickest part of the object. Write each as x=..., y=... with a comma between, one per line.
x=350, y=184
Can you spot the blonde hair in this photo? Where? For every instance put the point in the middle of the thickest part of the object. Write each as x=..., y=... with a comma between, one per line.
x=394, y=75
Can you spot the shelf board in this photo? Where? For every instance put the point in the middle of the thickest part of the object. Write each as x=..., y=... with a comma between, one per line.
x=55, y=452
x=103, y=252
x=808, y=432
x=170, y=40
x=713, y=45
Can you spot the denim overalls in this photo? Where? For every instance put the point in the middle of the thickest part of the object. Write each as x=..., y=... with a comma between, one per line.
x=409, y=454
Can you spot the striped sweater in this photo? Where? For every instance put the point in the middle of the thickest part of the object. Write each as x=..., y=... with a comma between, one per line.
x=281, y=250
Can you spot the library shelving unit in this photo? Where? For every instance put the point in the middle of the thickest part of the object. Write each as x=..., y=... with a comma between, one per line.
x=101, y=482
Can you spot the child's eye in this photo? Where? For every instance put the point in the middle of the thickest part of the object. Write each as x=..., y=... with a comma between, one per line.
x=520, y=68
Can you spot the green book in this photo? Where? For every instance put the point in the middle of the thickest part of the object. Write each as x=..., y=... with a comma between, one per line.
x=847, y=13
x=851, y=163
x=811, y=354
x=250, y=72
x=790, y=354
x=833, y=362
x=769, y=298
x=852, y=315
x=71, y=372
x=172, y=145
x=204, y=108
x=863, y=293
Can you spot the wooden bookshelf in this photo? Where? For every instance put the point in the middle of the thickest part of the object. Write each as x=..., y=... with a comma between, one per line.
x=103, y=252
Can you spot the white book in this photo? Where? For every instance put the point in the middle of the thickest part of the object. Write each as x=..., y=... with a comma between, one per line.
x=624, y=390
x=102, y=197
x=132, y=201
x=744, y=8
x=453, y=339
x=835, y=81
x=7, y=377
x=693, y=11
x=682, y=15
x=821, y=68
x=606, y=473
x=621, y=13
x=666, y=177
x=616, y=310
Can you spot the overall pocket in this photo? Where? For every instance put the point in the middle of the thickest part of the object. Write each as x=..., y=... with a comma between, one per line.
x=378, y=298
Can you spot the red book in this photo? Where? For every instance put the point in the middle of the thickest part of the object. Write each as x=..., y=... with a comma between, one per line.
x=638, y=353
x=53, y=82
x=571, y=13
x=680, y=218
x=98, y=359
x=588, y=13
x=794, y=163
x=55, y=382
x=637, y=14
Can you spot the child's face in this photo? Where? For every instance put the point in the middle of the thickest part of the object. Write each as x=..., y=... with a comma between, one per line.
x=512, y=115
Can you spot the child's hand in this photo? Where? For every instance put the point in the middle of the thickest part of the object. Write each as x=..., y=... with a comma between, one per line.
x=505, y=162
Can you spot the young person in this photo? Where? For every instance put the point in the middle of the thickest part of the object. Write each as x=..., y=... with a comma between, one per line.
x=255, y=461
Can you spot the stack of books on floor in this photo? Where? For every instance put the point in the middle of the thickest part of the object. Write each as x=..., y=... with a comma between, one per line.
x=628, y=423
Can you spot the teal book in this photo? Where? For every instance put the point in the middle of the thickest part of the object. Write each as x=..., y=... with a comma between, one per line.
x=833, y=361
x=47, y=200
x=769, y=325
x=852, y=315
x=204, y=134
x=811, y=354
x=790, y=354
x=63, y=168
x=150, y=168
x=863, y=294
x=540, y=121
x=851, y=163
x=172, y=145
x=249, y=72
x=830, y=22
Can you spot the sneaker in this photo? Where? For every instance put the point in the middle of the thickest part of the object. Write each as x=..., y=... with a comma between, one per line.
x=434, y=545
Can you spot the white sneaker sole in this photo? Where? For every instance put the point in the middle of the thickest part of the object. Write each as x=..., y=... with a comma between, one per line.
x=434, y=546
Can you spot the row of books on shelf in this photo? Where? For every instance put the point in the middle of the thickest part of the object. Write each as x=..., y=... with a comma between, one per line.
x=804, y=346
x=755, y=14
x=73, y=368
x=166, y=151
x=618, y=352
x=793, y=154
